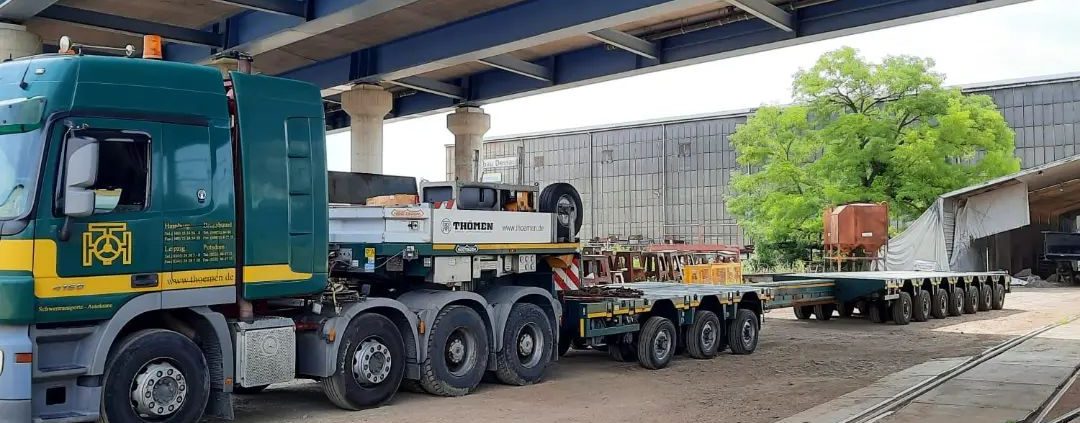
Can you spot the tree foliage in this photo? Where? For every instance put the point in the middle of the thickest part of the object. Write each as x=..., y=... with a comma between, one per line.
x=860, y=132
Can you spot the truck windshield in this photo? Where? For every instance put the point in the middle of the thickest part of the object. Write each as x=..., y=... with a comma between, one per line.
x=19, y=157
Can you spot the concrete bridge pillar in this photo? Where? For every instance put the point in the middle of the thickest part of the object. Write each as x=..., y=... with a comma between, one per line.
x=367, y=105
x=468, y=124
x=16, y=41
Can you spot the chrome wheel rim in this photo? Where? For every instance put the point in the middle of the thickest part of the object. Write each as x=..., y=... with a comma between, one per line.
x=371, y=362
x=158, y=390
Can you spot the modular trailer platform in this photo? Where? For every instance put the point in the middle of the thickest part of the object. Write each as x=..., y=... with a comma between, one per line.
x=707, y=319
x=900, y=296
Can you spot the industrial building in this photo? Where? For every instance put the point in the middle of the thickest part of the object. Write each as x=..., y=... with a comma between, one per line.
x=667, y=179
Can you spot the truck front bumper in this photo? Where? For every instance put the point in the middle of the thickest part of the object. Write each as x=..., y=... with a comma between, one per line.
x=15, y=410
x=15, y=377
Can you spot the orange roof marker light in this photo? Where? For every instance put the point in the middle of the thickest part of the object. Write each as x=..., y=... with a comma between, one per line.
x=152, y=47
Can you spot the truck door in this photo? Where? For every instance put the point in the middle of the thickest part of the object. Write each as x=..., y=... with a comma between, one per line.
x=114, y=255
x=199, y=238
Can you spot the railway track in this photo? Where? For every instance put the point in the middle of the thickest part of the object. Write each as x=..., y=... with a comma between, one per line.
x=891, y=405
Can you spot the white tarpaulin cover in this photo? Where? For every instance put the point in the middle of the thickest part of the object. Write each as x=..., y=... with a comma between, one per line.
x=922, y=245
x=989, y=213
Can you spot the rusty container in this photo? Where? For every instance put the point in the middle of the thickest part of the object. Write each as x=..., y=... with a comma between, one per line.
x=857, y=226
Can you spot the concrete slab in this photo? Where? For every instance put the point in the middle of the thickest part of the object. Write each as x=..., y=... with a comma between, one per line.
x=1024, y=373
x=981, y=393
x=864, y=398
x=937, y=413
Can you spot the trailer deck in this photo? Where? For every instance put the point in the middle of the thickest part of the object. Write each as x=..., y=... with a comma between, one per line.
x=615, y=317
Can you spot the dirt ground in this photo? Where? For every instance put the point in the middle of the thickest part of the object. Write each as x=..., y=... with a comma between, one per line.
x=798, y=364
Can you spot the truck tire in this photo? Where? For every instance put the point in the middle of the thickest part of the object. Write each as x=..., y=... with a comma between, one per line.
x=526, y=349
x=803, y=312
x=563, y=200
x=939, y=307
x=956, y=301
x=874, y=312
x=901, y=309
x=971, y=300
x=921, y=310
x=999, y=296
x=824, y=311
x=370, y=364
x=155, y=375
x=565, y=342
x=703, y=337
x=457, y=353
x=743, y=332
x=986, y=296
x=656, y=343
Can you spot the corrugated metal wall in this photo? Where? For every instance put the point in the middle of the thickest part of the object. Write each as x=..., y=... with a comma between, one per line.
x=668, y=179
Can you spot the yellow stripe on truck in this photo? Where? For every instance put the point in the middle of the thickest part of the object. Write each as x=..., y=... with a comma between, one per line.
x=17, y=254
x=272, y=273
x=39, y=256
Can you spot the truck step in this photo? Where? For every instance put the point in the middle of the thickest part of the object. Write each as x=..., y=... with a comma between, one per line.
x=69, y=417
x=61, y=371
x=64, y=334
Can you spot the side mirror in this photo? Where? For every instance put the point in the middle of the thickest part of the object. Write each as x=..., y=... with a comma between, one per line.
x=82, y=170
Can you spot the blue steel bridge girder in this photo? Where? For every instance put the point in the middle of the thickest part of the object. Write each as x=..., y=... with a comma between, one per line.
x=258, y=31
x=599, y=63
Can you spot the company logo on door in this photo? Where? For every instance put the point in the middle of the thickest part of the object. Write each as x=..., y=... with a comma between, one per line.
x=106, y=243
x=466, y=226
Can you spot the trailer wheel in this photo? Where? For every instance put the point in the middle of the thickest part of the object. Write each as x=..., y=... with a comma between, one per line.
x=656, y=343
x=940, y=304
x=622, y=351
x=874, y=312
x=956, y=301
x=921, y=312
x=824, y=311
x=703, y=337
x=845, y=310
x=971, y=300
x=999, y=296
x=457, y=353
x=986, y=297
x=526, y=349
x=901, y=309
x=803, y=312
x=370, y=364
x=563, y=200
x=743, y=332
x=155, y=375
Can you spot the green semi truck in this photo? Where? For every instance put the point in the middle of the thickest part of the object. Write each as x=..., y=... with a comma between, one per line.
x=168, y=238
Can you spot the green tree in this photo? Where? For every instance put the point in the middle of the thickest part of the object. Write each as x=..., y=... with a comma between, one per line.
x=860, y=132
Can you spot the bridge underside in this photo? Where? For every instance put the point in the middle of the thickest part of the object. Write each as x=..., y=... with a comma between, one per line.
x=393, y=59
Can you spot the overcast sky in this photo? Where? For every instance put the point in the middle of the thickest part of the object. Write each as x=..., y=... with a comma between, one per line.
x=1024, y=40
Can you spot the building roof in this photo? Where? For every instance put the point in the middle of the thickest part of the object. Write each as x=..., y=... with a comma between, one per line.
x=737, y=113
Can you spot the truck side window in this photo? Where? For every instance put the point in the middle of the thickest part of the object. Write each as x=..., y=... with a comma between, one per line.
x=123, y=178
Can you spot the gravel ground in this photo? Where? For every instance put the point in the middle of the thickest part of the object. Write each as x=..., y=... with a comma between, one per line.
x=798, y=364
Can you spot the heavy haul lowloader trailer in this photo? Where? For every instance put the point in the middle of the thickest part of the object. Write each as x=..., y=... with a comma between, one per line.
x=651, y=321
x=889, y=295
